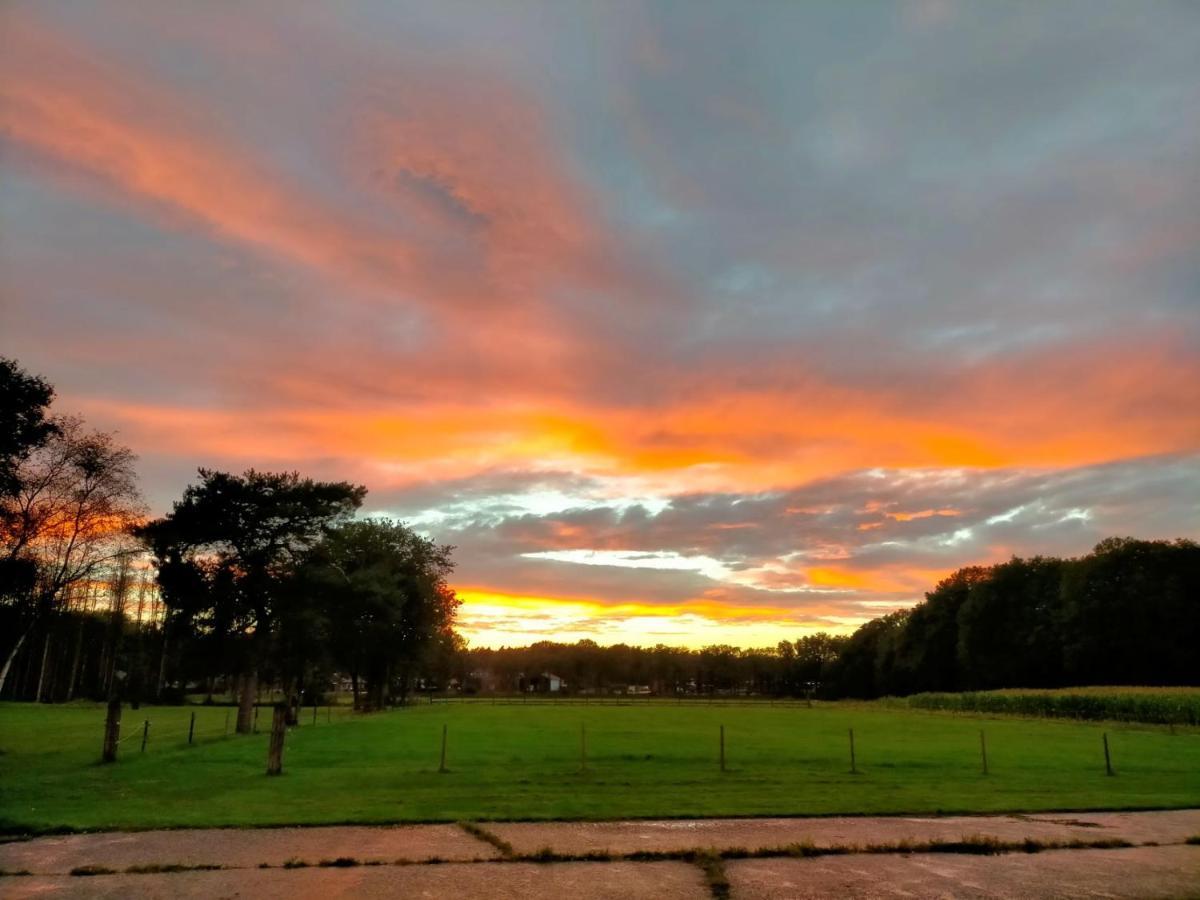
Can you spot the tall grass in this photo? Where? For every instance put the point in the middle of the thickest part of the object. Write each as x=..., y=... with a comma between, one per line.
x=1162, y=706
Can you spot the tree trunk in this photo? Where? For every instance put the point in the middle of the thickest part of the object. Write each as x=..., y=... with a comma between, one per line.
x=41, y=685
x=278, y=733
x=112, y=731
x=292, y=699
x=75, y=662
x=375, y=693
x=11, y=656
x=248, y=695
x=404, y=684
x=162, y=670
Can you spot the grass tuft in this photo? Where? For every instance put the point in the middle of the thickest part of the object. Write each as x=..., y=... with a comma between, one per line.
x=341, y=862
x=477, y=831
x=713, y=867
x=88, y=871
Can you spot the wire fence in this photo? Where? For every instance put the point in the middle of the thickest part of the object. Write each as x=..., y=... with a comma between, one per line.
x=612, y=700
x=199, y=728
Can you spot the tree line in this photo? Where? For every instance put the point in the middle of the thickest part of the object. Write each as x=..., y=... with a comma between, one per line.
x=789, y=669
x=1128, y=613
x=251, y=578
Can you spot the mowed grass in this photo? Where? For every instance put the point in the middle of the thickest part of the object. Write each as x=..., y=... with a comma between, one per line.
x=523, y=762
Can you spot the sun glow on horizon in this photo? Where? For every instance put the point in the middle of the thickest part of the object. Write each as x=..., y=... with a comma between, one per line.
x=491, y=619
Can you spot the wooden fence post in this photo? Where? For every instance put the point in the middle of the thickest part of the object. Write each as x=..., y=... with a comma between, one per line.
x=853, y=766
x=722, y=748
x=1108, y=769
x=983, y=750
x=112, y=731
x=192, y=727
x=145, y=734
x=227, y=721
x=278, y=733
x=442, y=764
x=254, y=727
x=314, y=712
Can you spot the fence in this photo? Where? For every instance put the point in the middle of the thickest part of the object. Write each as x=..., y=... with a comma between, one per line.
x=203, y=725
x=533, y=699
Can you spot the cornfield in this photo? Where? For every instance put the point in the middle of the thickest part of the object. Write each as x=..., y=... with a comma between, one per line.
x=1162, y=706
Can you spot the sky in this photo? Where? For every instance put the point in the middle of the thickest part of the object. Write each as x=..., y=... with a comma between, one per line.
x=685, y=322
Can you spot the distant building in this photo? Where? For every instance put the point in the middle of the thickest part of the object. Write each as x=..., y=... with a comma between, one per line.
x=546, y=683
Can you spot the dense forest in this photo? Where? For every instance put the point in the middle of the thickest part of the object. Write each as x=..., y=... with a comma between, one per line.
x=1126, y=613
x=260, y=580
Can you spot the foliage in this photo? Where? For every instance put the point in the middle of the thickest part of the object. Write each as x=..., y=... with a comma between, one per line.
x=1127, y=613
x=789, y=669
x=227, y=551
x=24, y=423
x=379, y=598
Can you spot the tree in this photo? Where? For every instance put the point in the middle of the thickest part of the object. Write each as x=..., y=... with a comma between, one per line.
x=813, y=654
x=70, y=516
x=864, y=668
x=927, y=651
x=383, y=592
x=228, y=547
x=24, y=424
x=1131, y=613
x=1008, y=629
x=24, y=427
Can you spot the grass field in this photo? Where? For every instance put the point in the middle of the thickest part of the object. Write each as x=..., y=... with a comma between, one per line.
x=523, y=762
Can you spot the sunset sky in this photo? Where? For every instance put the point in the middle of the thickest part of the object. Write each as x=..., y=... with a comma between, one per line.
x=686, y=322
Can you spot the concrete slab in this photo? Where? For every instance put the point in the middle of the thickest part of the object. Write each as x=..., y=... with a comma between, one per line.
x=755, y=834
x=241, y=848
x=501, y=881
x=1140, y=872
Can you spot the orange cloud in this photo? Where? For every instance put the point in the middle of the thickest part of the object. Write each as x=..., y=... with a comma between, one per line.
x=470, y=143
x=740, y=441
x=92, y=117
x=921, y=514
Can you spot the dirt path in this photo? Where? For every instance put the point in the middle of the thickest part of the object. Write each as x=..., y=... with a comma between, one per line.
x=1110, y=854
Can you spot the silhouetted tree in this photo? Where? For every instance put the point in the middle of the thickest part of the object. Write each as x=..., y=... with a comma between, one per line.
x=25, y=424
x=382, y=591
x=1131, y=613
x=229, y=545
x=67, y=521
x=1009, y=630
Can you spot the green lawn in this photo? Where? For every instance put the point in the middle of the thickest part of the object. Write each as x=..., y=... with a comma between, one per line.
x=523, y=762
